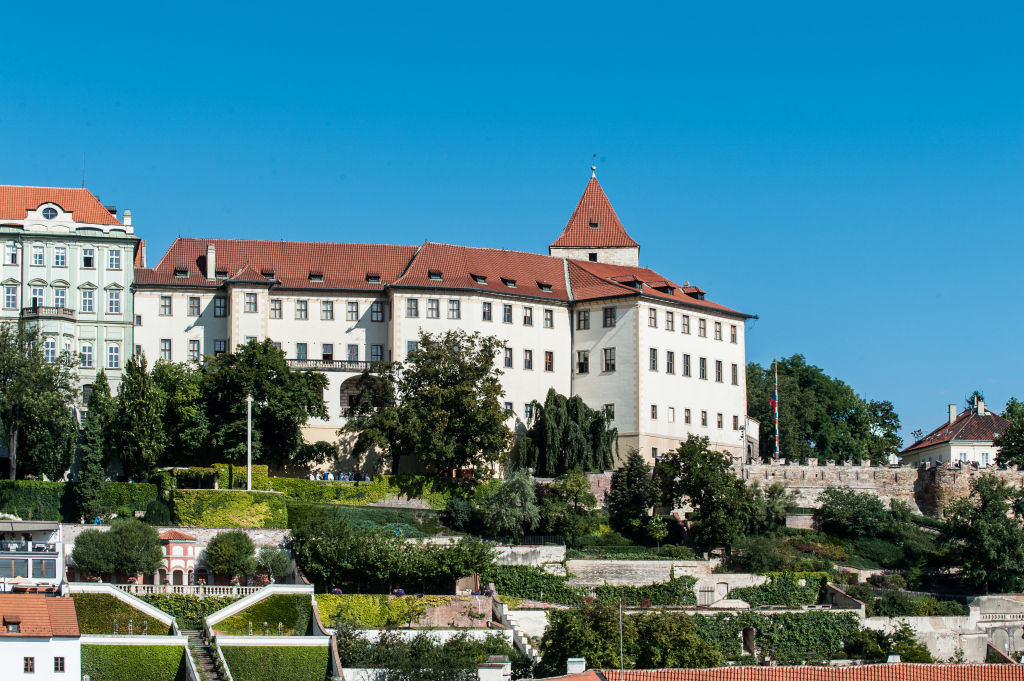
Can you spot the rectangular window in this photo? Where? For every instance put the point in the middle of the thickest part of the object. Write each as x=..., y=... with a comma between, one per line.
x=506, y=314
x=327, y=352
x=301, y=309
x=193, y=350
x=718, y=330
x=353, y=353
x=88, y=258
x=684, y=323
x=654, y=453
x=114, y=259
x=732, y=333
x=735, y=374
x=376, y=353
x=433, y=309
x=165, y=349
x=44, y=569
x=37, y=297
x=454, y=309
x=654, y=412
x=220, y=307
x=11, y=255
x=221, y=346
x=549, y=319
x=654, y=359
x=718, y=371
x=702, y=328
x=30, y=665
x=352, y=312
x=652, y=318
x=412, y=307
x=703, y=369
x=87, y=298
x=412, y=346
x=735, y=422
x=10, y=297
x=58, y=664
x=686, y=416
x=583, y=319
x=704, y=419
x=549, y=361
x=276, y=309
x=327, y=310
x=609, y=412
x=686, y=365
x=60, y=257
x=583, y=362
x=300, y=350
x=528, y=359
x=87, y=356
x=984, y=458
x=193, y=307
x=165, y=305
x=37, y=255
x=13, y=568
x=527, y=316
x=377, y=312
x=609, y=317
x=720, y=422
x=670, y=321
x=250, y=302
x=114, y=302
x=60, y=297
x=528, y=411
x=114, y=357
x=670, y=362
x=508, y=358
x=671, y=414
x=609, y=359
x=487, y=312
x=508, y=406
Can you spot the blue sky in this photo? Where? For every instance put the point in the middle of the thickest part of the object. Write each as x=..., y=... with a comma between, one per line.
x=851, y=173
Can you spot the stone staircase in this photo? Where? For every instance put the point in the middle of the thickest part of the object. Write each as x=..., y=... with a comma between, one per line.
x=203, y=656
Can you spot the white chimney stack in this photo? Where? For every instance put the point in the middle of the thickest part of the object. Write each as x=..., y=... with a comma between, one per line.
x=127, y=221
x=981, y=408
x=576, y=665
x=211, y=262
x=952, y=413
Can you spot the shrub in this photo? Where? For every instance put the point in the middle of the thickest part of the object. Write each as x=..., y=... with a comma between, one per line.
x=895, y=582
x=190, y=611
x=676, y=552
x=196, y=478
x=434, y=491
x=215, y=508
x=293, y=612
x=129, y=663
x=894, y=605
x=880, y=551
x=757, y=555
x=459, y=515
x=134, y=496
x=97, y=612
x=157, y=513
x=275, y=663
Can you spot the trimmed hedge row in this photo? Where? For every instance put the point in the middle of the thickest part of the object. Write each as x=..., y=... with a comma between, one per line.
x=293, y=612
x=97, y=612
x=434, y=491
x=54, y=501
x=190, y=611
x=220, y=508
x=230, y=476
x=275, y=663
x=372, y=611
x=532, y=583
x=783, y=588
x=130, y=663
x=792, y=637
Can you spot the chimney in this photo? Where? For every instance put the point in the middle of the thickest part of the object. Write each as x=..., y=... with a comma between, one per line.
x=497, y=668
x=127, y=219
x=576, y=665
x=211, y=262
x=981, y=408
x=952, y=413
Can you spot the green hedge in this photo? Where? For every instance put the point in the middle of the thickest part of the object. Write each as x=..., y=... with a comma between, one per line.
x=133, y=495
x=533, y=583
x=293, y=612
x=277, y=663
x=783, y=588
x=130, y=663
x=230, y=476
x=217, y=508
x=373, y=611
x=412, y=522
x=789, y=637
x=97, y=612
x=677, y=591
x=434, y=491
x=34, y=500
x=190, y=611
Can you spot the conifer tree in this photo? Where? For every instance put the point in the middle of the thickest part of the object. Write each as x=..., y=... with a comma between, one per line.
x=138, y=433
x=634, y=493
x=96, y=431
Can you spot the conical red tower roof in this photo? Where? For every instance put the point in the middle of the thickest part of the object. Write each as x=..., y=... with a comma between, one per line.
x=594, y=223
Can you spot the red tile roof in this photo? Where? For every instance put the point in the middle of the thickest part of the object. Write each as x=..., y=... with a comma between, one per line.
x=595, y=209
x=871, y=672
x=38, y=615
x=174, y=535
x=343, y=266
x=15, y=202
x=969, y=426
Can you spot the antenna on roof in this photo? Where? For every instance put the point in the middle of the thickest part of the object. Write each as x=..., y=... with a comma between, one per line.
x=593, y=167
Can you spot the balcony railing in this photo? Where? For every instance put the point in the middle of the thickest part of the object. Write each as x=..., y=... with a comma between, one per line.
x=330, y=365
x=26, y=547
x=48, y=312
x=187, y=590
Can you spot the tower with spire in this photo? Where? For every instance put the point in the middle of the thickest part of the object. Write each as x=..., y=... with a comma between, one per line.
x=594, y=231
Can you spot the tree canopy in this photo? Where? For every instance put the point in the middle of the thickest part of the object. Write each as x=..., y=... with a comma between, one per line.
x=566, y=434
x=137, y=430
x=231, y=553
x=95, y=433
x=183, y=418
x=634, y=493
x=1010, y=443
x=567, y=507
x=129, y=547
x=819, y=416
x=511, y=509
x=441, y=406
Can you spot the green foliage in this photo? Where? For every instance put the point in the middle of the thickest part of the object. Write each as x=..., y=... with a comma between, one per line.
x=95, y=447
x=877, y=646
x=635, y=491
x=373, y=611
x=676, y=591
x=788, y=637
x=32, y=499
x=137, y=431
x=849, y=513
x=157, y=513
x=442, y=406
x=670, y=640
x=567, y=507
x=194, y=478
x=129, y=547
x=219, y=508
x=135, y=496
x=274, y=663
x=435, y=491
x=410, y=522
x=97, y=612
x=756, y=555
x=93, y=552
x=231, y=553
x=182, y=410
x=130, y=663
x=293, y=612
x=460, y=515
x=511, y=508
x=566, y=435
x=190, y=611
x=770, y=508
x=1010, y=443
x=532, y=583
x=1014, y=410
x=48, y=436
x=783, y=588
x=283, y=401
x=273, y=561
x=819, y=416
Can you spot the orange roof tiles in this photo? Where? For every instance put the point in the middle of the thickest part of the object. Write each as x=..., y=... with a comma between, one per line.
x=872, y=672
x=969, y=426
x=594, y=223
x=38, y=615
x=174, y=535
x=15, y=202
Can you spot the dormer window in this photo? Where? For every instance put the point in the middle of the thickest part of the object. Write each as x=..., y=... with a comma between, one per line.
x=511, y=283
x=269, y=274
x=594, y=224
x=13, y=624
x=546, y=288
x=638, y=285
x=49, y=213
x=222, y=274
x=316, y=277
x=434, y=275
x=372, y=278
x=479, y=279
x=667, y=289
x=181, y=273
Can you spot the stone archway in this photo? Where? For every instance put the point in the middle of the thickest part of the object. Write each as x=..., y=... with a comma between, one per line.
x=1000, y=639
x=177, y=578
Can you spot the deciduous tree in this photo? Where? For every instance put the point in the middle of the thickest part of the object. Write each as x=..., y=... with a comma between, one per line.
x=511, y=509
x=566, y=434
x=567, y=507
x=634, y=493
x=231, y=553
x=273, y=561
x=183, y=410
x=136, y=547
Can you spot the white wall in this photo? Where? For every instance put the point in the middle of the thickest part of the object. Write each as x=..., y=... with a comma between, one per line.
x=13, y=652
x=981, y=453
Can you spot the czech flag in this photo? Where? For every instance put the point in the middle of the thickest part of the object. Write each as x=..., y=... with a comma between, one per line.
x=775, y=400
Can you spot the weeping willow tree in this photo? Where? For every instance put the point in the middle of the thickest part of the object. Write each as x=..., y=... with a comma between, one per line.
x=565, y=434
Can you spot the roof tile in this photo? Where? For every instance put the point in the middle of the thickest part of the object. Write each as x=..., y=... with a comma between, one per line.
x=15, y=202
x=38, y=615
x=870, y=672
x=968, y=426
x=594, y=223
x=175, y=535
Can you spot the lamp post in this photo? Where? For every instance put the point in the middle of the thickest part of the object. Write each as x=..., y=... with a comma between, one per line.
x=248, y=445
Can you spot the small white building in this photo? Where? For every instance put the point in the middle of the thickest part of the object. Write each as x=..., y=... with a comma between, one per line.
x=965, y=438
x=39, y=637
x=31, y=556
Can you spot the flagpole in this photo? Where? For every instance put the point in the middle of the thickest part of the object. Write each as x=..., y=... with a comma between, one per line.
x=776, y=408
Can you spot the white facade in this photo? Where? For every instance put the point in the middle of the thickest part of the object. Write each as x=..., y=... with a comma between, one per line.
x=44, y=654
x=32, y=551
x=966, y=439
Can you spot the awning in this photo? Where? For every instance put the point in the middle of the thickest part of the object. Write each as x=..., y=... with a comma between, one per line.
x=27, y=526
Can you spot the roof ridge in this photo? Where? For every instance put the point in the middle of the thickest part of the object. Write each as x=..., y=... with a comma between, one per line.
x=290, y=241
